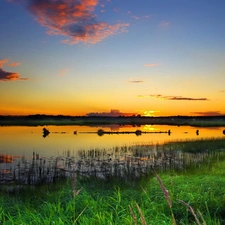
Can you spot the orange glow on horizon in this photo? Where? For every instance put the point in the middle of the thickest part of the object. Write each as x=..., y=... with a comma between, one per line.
x=65, y=110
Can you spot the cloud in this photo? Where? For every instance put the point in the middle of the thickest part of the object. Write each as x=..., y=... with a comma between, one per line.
x=184, y=98
x=135, y=17
x=63, y=72
x=151, y=64
x=10, y=76
x=136, y=81
x=164, y=24
x=6, y=61
x=209, y=113
x=177, y=98
x=14, y=64
x=112, y=113
x=74, y=19
x=116, y=9
x=3, y=61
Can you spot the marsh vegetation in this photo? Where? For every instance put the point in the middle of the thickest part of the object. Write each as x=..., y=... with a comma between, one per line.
x=140, y=184
x=121, y=162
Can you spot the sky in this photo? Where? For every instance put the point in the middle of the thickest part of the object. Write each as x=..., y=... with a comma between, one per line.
x=112, y=57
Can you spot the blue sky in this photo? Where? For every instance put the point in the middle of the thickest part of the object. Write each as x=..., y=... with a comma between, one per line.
x=163, y=57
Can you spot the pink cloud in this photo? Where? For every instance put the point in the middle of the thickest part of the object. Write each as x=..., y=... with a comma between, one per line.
x=151, y=64
x=14, y=64
x=63, y=72
x=6, y=61
x=136, y=17
x=3, y=61
x=164, y=24
x=99, y=32
x=74, y=19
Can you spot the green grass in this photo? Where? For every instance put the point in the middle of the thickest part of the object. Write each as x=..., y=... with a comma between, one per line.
x=197, y=146
x=118, y=202
x=197, y=195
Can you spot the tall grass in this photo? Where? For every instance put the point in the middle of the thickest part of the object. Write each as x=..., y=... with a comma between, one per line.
x=119, y=202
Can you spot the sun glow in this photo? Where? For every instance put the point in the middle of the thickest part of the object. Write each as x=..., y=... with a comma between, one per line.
x=148, y=112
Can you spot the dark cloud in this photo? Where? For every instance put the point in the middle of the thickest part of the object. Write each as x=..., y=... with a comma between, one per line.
x=177, y=98
x=10, y=76
x=186, y=99
x=72, y=18
x=209, y=113
x=136, y=81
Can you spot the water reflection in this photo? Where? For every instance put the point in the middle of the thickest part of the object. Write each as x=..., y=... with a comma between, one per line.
x=22, y=141
x=125, y=162
x=28, y=157
x=5, y=158
x=46, y=132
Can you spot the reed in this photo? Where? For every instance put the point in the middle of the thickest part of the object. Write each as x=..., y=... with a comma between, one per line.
x=124, y=162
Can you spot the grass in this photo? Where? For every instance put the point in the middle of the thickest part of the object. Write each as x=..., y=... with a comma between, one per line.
x=197, y=146
x=119, y=202
x=193, y=195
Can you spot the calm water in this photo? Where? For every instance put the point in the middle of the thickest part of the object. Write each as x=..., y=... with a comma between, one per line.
x=27, y=157
x=23, y=141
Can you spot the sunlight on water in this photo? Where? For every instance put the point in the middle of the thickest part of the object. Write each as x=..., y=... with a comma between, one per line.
x=28, y=156
x=23, y=141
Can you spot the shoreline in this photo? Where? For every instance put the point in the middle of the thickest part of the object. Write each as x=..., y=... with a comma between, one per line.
x=43, y=120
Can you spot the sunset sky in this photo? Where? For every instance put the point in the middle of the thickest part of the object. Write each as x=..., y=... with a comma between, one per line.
x=148, y=57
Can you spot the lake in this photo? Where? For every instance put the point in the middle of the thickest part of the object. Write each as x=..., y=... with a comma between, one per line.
x=29, y=157
x=24, y=140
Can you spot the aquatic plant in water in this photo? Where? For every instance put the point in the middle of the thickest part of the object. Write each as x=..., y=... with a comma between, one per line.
x=124, y=162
